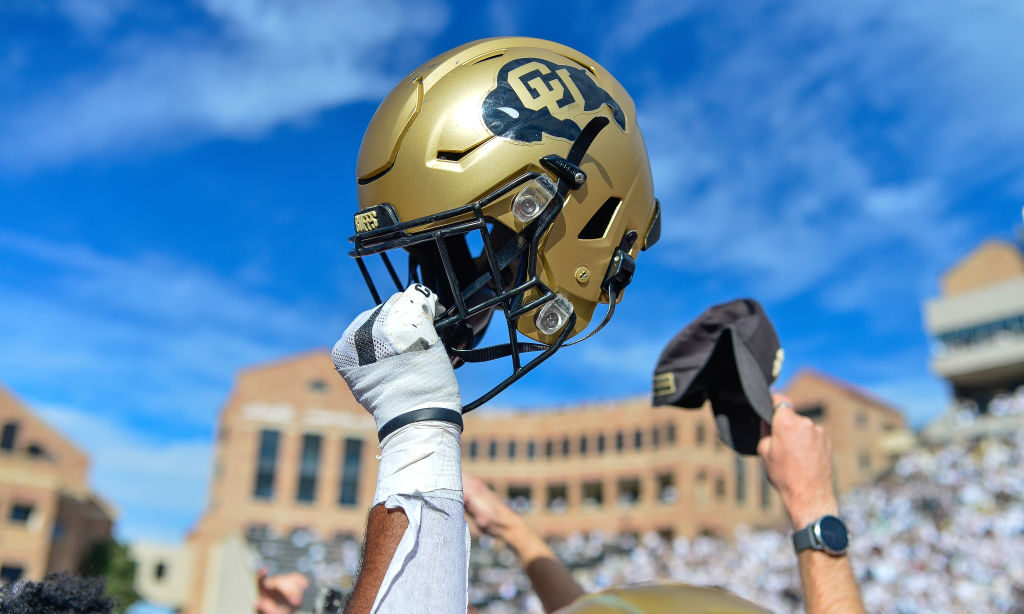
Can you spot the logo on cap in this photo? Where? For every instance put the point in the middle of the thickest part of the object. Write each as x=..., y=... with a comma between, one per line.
x=664, y=384
x=535, y=97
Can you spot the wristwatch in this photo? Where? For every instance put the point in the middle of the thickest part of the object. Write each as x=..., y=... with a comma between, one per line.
x=827, y=534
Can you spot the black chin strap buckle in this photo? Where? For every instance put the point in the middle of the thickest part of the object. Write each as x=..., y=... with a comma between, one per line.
x=567, y=171
x=622, y=266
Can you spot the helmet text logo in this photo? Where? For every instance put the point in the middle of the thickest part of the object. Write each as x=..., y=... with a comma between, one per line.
x=366, y=221
x=534, y=97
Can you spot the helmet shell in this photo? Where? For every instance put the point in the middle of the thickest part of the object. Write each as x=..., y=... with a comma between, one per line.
x=483, y=114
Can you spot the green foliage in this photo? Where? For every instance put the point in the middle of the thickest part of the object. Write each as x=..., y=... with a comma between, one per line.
x=111, y=561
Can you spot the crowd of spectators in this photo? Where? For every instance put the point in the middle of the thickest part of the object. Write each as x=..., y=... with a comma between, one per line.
x=1006, y=404
x=942, y=532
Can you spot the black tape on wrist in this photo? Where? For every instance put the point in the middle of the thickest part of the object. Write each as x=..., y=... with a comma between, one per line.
x=420, y=415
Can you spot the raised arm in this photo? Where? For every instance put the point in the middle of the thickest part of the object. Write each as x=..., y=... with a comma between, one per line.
x=551, y=580
x=415, y=557
x=798, y=458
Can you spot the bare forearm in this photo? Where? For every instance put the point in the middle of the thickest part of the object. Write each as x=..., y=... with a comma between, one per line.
x=829, y=584
x=384, y=529
x=551, y=580
x=828, y=581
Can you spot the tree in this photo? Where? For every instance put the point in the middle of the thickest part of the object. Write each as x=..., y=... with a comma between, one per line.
x=111, y=561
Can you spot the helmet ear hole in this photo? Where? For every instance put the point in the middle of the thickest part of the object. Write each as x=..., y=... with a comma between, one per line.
x=599, y=223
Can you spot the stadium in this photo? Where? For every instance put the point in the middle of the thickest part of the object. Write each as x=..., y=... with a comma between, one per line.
x=252, y=363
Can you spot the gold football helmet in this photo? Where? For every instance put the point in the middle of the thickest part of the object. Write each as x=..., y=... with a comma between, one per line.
x=661, y=599
x=513, y=174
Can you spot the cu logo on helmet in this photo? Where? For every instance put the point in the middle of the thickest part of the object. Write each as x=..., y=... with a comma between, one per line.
x=534, y=97
x=538, y=87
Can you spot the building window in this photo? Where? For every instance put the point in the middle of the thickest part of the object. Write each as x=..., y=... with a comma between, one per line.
x=558, y=499
x=862, y=420
x=620, y=441
x=638, y=439
x=583, y=445
x=36, y=451
x=701, y=435
x=670, y=433
x=21, y=513
x=159, y=571
x=667, y=487
x=593, y=494
x=766, y=489
x=600, y=443
x=864, y=460
x=9, y=574
x=512, y=449
x=720, y=488
x=9, y=436
x=266, y=464
x=655, y=437
x=474, y=449
x=318, y=385
x=350, y=471
x=492, y=449
x=741, y=480
x=565, y=446
x=629, y=492
x=309, y=463
x=531, y=449
x=700, y=487
x=519, y=498
x=549, y=448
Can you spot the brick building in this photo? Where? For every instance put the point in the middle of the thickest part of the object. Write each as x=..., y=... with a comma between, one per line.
x=296, y=452
x=49, y=518
x=977, y=323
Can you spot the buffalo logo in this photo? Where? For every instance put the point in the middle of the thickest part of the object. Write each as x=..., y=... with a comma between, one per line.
x=535, y=97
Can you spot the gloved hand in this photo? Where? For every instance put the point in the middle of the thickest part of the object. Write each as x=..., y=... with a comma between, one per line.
x=395, y=364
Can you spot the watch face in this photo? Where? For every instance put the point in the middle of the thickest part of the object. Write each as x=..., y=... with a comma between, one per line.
x=833, y=534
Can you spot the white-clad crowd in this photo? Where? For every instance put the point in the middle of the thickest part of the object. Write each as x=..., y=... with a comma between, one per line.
x=943, y=532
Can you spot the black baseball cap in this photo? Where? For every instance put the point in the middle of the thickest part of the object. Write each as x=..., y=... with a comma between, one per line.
x=731, y=356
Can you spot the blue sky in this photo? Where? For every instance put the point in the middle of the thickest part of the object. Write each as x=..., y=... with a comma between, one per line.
x=177, y=184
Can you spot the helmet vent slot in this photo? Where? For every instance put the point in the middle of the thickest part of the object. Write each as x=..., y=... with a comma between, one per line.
x=455, y=156
x=485, y=57
x=599, y=223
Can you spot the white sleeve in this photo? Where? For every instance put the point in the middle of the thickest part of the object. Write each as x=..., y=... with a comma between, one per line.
x=421, y=472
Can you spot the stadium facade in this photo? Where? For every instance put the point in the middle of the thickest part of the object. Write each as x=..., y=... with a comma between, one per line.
x=49, y=517
x=296, y=453
x=977, y=324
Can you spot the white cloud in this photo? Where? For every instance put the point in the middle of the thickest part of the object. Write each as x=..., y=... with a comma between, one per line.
x=161, y=337
x=158, y=486
x=640, y=19
x=768, y=173
x=254, y=64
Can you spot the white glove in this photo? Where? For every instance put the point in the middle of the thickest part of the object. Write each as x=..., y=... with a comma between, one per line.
x=393, y=360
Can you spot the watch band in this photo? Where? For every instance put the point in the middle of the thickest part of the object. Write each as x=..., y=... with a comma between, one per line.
x=804, y=538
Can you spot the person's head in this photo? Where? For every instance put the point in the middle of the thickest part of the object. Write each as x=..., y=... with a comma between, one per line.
x=509, y=174
x=58, y=593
